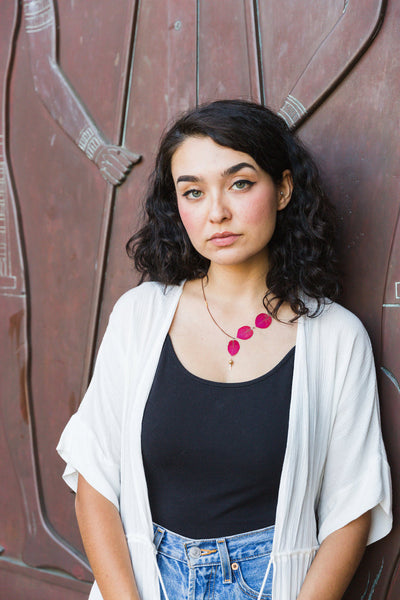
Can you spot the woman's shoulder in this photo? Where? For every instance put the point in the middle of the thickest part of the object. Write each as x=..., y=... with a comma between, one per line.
x=148, y=296
x=148, y=291
x=338, y=323
x=339, y=314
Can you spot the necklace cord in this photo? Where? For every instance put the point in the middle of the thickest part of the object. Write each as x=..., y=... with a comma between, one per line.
x=209, y=312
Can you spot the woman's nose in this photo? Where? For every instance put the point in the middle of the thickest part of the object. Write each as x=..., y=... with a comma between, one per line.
x=219, y=209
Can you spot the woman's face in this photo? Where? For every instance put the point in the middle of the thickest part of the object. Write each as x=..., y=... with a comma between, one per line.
x=226, y=202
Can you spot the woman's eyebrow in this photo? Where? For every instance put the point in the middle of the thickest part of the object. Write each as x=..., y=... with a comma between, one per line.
x=191, y=178
x=235, y=168
x=229, y=171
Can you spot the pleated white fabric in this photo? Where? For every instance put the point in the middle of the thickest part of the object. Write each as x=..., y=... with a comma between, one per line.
x=335, y=465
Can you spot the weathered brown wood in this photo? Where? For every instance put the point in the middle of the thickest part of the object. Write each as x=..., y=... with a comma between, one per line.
x=65, y=227
x=39, y=543
x=337, y=37
x=227, y=52
x=19, y=582
x=13, y=522
x=163, y=84
x=352, y=135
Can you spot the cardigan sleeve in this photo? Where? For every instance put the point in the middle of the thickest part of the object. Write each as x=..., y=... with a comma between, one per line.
x=356, y=476
x=91, y=442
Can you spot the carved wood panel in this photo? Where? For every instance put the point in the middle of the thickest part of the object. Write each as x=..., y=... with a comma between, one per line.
x=85, y=88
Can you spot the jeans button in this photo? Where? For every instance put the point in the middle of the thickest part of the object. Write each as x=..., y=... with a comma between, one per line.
x=234, y=566
x=194, y=552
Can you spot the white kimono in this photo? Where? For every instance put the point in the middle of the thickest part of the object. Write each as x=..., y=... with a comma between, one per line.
x=335, y=466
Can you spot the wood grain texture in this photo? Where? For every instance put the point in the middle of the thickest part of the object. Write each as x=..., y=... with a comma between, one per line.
x=134, y=66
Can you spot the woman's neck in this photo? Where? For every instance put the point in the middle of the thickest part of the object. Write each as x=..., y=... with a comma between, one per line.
x=236, y=284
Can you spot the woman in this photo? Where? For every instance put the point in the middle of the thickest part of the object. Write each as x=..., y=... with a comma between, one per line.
x=232, y=403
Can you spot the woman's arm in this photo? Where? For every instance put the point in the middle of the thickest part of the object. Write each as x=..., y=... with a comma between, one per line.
x=105, y=543
x=336, y=561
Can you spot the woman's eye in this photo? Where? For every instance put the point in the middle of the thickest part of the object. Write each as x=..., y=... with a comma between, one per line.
x=242, y=184
x=195, y=194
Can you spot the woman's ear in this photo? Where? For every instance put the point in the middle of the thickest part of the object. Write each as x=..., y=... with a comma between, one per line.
x=285, y=189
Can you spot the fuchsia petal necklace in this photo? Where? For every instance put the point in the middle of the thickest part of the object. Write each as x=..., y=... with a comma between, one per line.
x=262, y=321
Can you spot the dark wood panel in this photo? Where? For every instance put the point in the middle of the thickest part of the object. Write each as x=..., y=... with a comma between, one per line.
x=330, y=45
x=132, y=67
x=352, y=136
x=163, y=84
x=94, y=44
x=66, y=224
x=291, y=33
x=38, y=542
x=19, y=582
x=227, y=51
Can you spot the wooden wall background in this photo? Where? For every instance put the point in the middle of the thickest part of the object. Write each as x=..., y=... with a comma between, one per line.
x=93, y=75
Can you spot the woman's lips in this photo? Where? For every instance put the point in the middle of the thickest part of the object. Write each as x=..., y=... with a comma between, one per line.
x=226, y=238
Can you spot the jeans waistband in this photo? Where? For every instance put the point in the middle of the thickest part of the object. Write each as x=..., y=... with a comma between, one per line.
x=202, y=552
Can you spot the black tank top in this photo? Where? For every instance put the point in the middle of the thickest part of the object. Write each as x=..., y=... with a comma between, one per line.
x=213, y=452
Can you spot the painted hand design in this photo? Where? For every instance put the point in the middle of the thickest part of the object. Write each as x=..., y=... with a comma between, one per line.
x=115, y=163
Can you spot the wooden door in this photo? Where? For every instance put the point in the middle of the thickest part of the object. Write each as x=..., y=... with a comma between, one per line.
x=86, y=79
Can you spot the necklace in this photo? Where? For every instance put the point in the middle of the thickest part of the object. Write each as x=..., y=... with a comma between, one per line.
x=262, y=321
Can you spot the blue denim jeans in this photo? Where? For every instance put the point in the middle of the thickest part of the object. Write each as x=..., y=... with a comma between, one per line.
x=230, y=568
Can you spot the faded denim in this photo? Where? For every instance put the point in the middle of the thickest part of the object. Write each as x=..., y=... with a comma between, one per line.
x=230, y=568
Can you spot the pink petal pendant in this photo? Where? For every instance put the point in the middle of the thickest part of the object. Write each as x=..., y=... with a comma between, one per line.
x=233, y=347
x=263, y=321
x=244, y=333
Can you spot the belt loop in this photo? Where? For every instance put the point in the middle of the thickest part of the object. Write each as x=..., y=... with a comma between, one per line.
x=158, y=536
x=225, y=561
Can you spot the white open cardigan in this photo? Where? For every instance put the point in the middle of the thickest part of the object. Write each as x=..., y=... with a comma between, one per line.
x=335, y=466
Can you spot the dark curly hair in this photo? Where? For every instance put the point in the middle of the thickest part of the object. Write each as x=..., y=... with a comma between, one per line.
x=301, y=256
